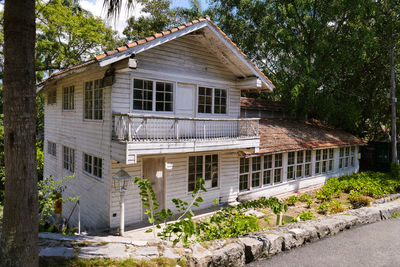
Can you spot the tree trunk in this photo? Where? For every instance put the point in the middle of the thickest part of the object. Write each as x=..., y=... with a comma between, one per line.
x=393, y=93
x=20, y=222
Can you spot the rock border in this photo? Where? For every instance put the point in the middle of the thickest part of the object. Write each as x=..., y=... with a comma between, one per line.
x=223, y=252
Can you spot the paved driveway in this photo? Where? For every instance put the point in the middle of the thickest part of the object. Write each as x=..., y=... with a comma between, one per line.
x=375, y=244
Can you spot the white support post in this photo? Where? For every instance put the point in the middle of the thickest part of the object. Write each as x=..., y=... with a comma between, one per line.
x=79, y=217
x=122, y=217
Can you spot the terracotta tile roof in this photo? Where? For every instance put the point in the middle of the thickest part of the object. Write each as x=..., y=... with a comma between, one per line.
x=149, y=39
x=281, y=135
x=261, y=104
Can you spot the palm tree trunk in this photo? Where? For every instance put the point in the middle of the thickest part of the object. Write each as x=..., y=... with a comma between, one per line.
x=20, y=221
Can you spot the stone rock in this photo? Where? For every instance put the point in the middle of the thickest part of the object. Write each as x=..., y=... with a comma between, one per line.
x=60, y=237
x=200, y=256
x=288, y=239
x=252, y=247
x=258, y=214
x=147, y=251
x=231, y=255
x=367, y=215
x=61, y=252
x=299, y=235
x=348, y=220
x=275, y=242
x=139, y=243
x=171, y=253
x=107, y=251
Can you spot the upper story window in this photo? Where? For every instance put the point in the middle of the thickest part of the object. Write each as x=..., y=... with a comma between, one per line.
x=68, y=98
x=144, y=97
x=52, y=148
x=212, y=100
x=52, y=97
x=92, y=165
x=94, y=100
x=346, y=157
x=206, y=167
x=68, y=159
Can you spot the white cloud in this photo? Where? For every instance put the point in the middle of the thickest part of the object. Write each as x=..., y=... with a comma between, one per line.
x=119, y=23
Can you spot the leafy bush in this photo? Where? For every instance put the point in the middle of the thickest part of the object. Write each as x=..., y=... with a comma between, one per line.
x=358, y=200
x=395, y=170
x=304, y=197
x=306, y=215
x=309, y=202
x=336, y=207
x=323, y=208
x=324, y=194
x=292, y=200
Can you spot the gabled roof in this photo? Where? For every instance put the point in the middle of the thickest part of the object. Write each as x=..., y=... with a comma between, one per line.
x=282, y=135
x=261, y=104
x=159, y=38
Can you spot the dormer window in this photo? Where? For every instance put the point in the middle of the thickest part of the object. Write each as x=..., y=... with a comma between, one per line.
x=144, y=97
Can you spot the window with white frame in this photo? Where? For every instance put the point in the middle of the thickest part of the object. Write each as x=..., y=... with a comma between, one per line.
x=346, y=157
x=212, y=100
x=259, y=171
x=291, y=165
x=94, y=100
x=52, y=148
x=307, y=164
x=203, y=166
x=92, y=165
x=324, y=160
x=52, y=97
x=68, y=98
x=244, y=174
x=145, y=99
x=69, y=158
x=278, y=168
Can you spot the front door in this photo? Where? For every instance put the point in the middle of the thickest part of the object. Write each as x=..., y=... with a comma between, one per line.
x=153, y=170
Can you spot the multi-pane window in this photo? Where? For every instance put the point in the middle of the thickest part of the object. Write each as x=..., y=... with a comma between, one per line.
x=219, y=101
x=244, y=174
x=94, y=100
x=164, y=96
x=205, y=167
x=323, y=161
x=205, y=100
x=92, y=165
x=278, y=168
x=267, y=173
x=212, y=100
x=52, y=97
x=291, y=165
x=307, y=164
x=299, y=164
x=52, y=148
x=68, y=98
x=346, y=157
x=255, y=171
x=69, y=158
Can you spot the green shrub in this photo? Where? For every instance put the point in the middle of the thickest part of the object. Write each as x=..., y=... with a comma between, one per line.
x=292, y=200
x=323, y=208
x=309, y=202
x=395, y=170
x=324, y=194
x=306, y=215
x=336, y=207
x=304, y=197
x=358, y=200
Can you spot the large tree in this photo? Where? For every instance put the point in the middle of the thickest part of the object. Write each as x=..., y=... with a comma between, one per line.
x=19, y=243
x=328, y=59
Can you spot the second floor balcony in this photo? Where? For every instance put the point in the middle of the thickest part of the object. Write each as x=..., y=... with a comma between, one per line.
x=148, y=134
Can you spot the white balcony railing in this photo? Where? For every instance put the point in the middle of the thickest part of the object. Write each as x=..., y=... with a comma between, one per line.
x=137, y=128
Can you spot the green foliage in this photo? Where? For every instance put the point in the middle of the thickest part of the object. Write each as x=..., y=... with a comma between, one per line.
x=328, y=59
x=154, y=262
x=358, y=200
x=309, y=202
x=304, y=197
x=395, y=215
x=292, y=200
x=395, y=170
x=50, y=192
x=305, y=216
x=336, y=207
x=323, y=208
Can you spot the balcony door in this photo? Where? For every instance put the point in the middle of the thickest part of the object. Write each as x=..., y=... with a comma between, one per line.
x=185, y=108
x=153, y=169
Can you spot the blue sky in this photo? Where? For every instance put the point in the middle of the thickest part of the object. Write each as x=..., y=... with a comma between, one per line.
x=186, y=3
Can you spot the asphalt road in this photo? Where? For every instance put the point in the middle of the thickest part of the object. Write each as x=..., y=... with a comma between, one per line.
x=375, y=244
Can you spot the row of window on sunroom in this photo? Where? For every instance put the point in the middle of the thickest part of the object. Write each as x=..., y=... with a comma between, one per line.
x=91, y=165
x=260, y=171
x=93, y=99
x=159, y=96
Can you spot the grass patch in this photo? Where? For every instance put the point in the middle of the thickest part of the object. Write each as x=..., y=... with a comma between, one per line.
x=161, y=261
x=396, y=215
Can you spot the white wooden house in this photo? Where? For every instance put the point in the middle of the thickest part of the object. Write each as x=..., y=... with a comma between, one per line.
x=171, y=118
